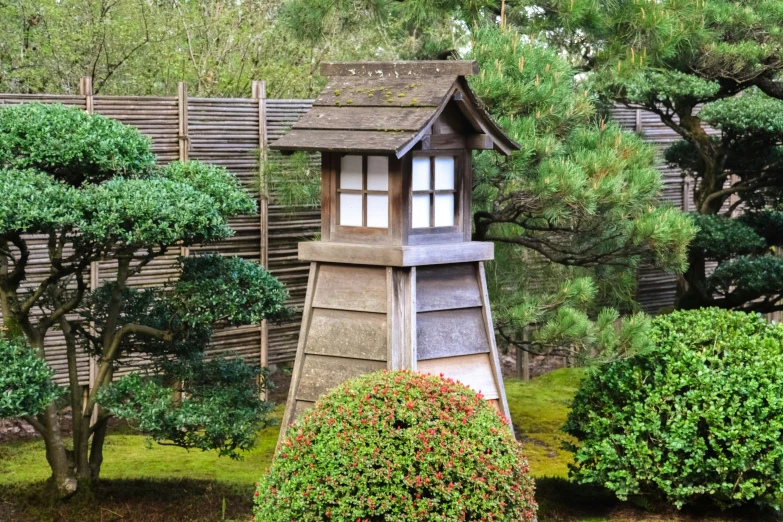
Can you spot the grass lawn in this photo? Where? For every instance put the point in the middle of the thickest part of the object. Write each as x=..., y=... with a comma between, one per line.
x=160, y=484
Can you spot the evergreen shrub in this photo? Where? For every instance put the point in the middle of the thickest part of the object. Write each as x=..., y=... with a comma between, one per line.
x=398, y=446
x=696, y=418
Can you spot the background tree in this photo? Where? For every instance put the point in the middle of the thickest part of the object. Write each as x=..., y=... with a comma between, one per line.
x=132, y=47
x=574, y=212
x=695, y=64
x=91, y=186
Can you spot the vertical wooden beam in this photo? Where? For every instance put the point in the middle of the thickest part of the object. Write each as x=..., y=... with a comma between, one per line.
x=307, y=312
x=182, y=135
x=182, y=104
x=493, y=347
x=259, y=93
x=686, y=193
x=638, y=124
x=85, y=89
x=523, y=359
x=401, y=318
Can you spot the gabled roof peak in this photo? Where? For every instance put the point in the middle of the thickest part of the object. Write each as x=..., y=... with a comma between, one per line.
x=389, y=107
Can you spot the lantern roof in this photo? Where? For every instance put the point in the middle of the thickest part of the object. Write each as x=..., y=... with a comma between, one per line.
x=389, y=107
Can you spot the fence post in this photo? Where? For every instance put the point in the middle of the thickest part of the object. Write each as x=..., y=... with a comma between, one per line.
x=182, y=135
x=259, y=93
x=85, y=89
x=523, y=360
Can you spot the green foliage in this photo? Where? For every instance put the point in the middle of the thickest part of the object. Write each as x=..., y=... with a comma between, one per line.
x=71, y=145
x=693, y=64
x=217, y=406
x=578, y=204
x=213, y=289
x=721, y=238
x=747, y=277
x=295, y=180
x=25, y=380
x=34, y=202
x=697, y=416
x=753, y=113
x=398, y=446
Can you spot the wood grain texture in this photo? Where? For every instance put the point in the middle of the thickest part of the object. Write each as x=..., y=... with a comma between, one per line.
x=342, y=91
x=366, y=118
x=392, y=255
x=402, y=318
x=444, y=287
x=359, y=335
x=410, y=68
x=494, y=358
x=449, y=333
x=471, y=370
x=321, y=373
x=301, y=407
x=369, y=142
x=290, y=406
x=357, y=288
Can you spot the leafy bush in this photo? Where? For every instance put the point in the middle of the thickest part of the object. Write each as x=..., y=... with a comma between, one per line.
x=25, y=380
x=217, y=407
x=71, y=145
x=697, y=417
x=398, y=446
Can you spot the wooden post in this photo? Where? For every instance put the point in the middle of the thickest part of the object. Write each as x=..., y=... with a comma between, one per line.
x=182, y=104
x=182, y=135
x=523, y=360
x=686, y=193
x=638, y=122
x=85, y=89
x=259, y=93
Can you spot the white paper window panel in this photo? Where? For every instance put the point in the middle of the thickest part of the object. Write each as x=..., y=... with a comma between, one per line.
x=444, y=173
x=377, y=211
x=421, y=174
x=351, y=210
x=377, y=173
x=444, y=210
x=351, y=172
x=420, y=211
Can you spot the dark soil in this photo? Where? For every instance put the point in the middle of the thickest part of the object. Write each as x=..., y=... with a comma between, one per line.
x=131, y=501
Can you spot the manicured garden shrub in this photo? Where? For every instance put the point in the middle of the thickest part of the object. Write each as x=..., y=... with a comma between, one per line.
x=698, y=417
x=398, y=446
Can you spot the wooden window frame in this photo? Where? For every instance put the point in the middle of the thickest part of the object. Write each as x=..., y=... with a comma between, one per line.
x=364, y=192
x=457, y=191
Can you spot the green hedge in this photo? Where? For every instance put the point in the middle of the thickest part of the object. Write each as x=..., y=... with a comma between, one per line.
x=697, y=417
x=398, y=446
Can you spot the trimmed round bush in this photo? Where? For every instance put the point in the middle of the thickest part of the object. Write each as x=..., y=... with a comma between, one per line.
x=697, y=418
x=398, y=446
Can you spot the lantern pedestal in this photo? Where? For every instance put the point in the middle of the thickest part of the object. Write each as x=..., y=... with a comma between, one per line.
x=361, y=318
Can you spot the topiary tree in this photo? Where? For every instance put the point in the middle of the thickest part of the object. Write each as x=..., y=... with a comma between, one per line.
x=91, y=187
x=697, y=417
x=398, y=446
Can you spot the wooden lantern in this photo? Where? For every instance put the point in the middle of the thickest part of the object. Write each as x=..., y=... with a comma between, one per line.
x=395, y=281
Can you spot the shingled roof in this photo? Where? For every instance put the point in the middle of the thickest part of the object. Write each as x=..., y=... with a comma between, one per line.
x=388, y=107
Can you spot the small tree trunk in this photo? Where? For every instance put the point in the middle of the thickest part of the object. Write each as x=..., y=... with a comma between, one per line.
x=96, y=452
x=63, y=473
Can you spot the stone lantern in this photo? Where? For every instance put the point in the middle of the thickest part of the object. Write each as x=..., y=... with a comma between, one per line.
x=395, y=280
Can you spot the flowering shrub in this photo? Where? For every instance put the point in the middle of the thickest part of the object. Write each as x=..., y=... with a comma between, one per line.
x=398, y=446
x=697, y=417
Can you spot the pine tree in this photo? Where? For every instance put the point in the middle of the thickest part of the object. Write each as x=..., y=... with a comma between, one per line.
x=696, y=65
